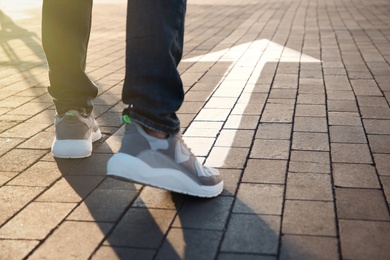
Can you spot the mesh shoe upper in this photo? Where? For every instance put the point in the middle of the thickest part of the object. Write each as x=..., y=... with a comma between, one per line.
x=74, y=135
x=167, y=153
x=73, y=126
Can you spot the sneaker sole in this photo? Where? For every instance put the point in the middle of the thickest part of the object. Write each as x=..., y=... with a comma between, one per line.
x=131, y=168
x=74, y=148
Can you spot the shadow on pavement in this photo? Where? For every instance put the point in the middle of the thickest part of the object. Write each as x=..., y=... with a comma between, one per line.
x=147, y=223
x=10, y=31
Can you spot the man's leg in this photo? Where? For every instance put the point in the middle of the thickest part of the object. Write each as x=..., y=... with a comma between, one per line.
x=66, y=26
x=152, y=151
x=153, y=88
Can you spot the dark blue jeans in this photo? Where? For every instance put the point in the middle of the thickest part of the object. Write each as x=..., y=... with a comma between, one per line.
x=154, y=45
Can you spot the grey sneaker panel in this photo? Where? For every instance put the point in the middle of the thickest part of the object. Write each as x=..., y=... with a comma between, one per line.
x=158, y=160
x=165, y=153
x=71, y=128
x=132, y=143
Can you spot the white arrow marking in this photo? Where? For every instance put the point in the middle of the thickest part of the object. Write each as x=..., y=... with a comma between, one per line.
x=248, y=60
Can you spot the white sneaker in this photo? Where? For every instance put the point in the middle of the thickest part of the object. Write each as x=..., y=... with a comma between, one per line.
x=163, y=163
x=74, y=135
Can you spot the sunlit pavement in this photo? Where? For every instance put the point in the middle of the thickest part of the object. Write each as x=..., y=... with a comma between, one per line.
x=288, y=99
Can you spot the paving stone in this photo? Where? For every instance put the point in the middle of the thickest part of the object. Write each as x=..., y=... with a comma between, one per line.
x=277, y=116
x=365, y=88
x=310, y=167
x=283, y=93
x=200, y=146
x=340, y=95
x=309, y=186
x=265, y=171
x=103, y=205
x=107, y=252
x=40, y=174
x=109, y=119
x=36, y=220
x=235, y=138
x=116, y=184
x=310, y=124
x=72, y=240
x=42, y=140
x=45, y=117
x=211, y=214
x=213, y=115
x=363, y=204
x=310, y=89
x=270, y=149
x=158, y=198
x=218, y=102
x=240, y=256
x=274, y=106
x=6, y=176
x=71, y=189
x=16, y=249
x=99, y=162
x=18, y=160
x=30, y=109
x=309, y=247
x=379, y=143
x=6, y=125
x=249, y=233
x=310, y=141
x=269, y=199
x=14, y=198
x=342, y=106
x=312, y=99
x=14, y=101
x=283, y=101
x=310, y=156
x=226, y=157
x=385, y=180
x=310, y=110
x=13, y=118
x=205, y=125
x=24, y=130
x=350, y=153
x=190, y=244
x=377, y=126
x=344, y=118
x=382, y=162
x=197, y=96
x=6, y=144
x=364, y=239
x=347, y=134
x=309, y=218
x=368, y=101
x=375, y=112
x=141, y=228
x=241, y=122
x=274, y=131
x=231, y=179
x=229, y=91
x=189, y=107
x=355, y=176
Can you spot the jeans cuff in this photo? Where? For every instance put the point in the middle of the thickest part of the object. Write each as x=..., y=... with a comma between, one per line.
x=172, y=126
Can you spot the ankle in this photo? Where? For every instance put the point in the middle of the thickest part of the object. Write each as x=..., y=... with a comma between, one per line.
x=155, y=134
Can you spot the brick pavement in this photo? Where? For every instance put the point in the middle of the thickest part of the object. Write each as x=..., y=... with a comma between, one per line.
x=289, y=99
